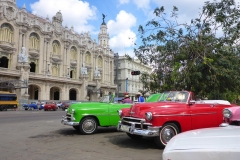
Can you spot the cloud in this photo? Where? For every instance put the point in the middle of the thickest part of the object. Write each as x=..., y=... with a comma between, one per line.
x=142, y=4
x=124, y=1
x=75, y=13
x=122, y=37
x=123, y=40
x=123, y=22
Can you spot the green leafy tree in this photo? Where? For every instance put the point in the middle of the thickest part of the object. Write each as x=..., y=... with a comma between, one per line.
x=194, y=56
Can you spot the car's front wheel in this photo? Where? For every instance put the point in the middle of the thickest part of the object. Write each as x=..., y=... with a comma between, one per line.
x=168, y=131
x=133, y=136
x=88, y=125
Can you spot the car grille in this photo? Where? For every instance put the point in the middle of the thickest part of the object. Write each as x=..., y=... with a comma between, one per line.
x=69, y=117
x=137, y=122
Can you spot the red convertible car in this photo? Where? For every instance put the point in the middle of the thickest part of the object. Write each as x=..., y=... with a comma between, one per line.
x=175, y=112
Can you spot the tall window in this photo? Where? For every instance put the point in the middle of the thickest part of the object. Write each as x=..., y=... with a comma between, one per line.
x=34, y=42
x=100, y=62
x=73, y=53
x=88, y=58
x=6, y=33
x=56, y=47
x=73, y=74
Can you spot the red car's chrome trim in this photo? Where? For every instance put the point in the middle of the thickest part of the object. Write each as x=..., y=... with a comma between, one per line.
x=164, y=115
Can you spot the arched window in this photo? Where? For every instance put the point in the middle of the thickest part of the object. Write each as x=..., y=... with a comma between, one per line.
x=73, y=74
x=56, y=47
x=6, y=33
x=73, y=53
x=88, y=58
x=100, y=62
x=34, y=42
x=4, y=62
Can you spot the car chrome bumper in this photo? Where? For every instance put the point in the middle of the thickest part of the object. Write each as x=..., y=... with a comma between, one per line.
x=65, y=121
x=224, y=124
x=150, y=132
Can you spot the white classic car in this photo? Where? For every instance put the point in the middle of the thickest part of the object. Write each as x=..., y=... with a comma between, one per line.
x=219, y=143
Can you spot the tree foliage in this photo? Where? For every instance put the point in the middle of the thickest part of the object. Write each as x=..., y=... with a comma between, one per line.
x=201, y=56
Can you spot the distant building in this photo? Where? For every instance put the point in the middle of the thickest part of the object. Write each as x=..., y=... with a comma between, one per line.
x=123, y=78
x=55, y=62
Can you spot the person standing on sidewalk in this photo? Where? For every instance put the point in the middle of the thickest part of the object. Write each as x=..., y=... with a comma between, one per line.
x=139, y=97
x=39, y=105
x=127, y=99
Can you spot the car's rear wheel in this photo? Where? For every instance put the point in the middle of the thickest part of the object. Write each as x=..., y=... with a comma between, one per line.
x=168, y=131
x=88, y=125
x=133, y=136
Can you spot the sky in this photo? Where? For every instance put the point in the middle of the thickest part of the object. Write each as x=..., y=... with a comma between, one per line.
x=123, y=17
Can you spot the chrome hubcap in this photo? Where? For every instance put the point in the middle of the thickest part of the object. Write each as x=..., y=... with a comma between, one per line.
x=167, y=134
x=89, y=125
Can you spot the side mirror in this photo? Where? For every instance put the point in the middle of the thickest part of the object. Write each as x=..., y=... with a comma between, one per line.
x=192, y=102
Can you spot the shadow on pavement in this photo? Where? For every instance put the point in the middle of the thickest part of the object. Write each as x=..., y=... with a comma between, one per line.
x=122, y=140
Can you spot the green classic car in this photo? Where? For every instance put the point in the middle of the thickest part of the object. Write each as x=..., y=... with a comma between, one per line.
x=153, y=97
x=87, y=116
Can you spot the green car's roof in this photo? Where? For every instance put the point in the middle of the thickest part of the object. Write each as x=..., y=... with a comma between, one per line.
x=154, y=97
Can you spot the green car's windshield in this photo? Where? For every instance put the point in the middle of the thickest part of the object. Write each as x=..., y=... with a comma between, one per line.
x=106, y=98
x=175, y=96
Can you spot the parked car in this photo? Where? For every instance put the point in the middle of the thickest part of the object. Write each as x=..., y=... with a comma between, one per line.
x=87, y=116
x=65, y=105
x=50, y=106
x=218, y=143
x=42, y=104
x=32, y=106
x=153, y=97
x=59, y=105
x=231, y=116
x=210, y=143
x=175, y=112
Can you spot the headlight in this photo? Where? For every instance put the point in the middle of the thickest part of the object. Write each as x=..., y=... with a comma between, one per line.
x=148, y=116
x=73, y=110
x=119, y=112
x=227, y=113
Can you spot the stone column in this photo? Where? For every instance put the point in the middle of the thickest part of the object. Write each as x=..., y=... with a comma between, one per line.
x=83, y=89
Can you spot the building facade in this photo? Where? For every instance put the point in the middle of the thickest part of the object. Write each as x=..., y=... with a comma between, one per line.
x=126, y=82
x=55, y=62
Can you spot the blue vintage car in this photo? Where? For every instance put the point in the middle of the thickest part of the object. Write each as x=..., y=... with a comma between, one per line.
x=32, y=106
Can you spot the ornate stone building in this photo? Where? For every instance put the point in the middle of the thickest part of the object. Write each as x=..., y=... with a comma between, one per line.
x=54, y=61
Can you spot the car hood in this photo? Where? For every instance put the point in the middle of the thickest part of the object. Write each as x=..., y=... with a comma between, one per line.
x=92, y=106
x=139, y=109
x=218, y=138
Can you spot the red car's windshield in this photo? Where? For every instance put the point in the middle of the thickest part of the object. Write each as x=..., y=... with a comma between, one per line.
x=175, y=96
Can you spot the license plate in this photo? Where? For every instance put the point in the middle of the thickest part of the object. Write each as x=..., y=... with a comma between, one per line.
x=125, y=128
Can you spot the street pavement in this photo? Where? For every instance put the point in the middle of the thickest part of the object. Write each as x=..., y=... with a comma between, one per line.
x=39, y=135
